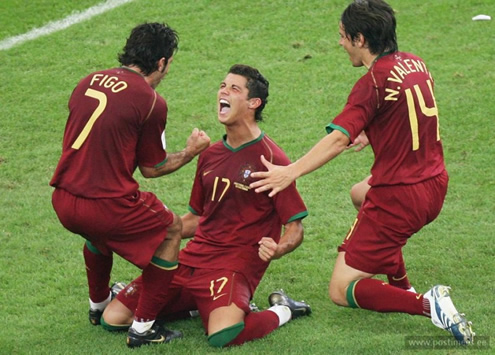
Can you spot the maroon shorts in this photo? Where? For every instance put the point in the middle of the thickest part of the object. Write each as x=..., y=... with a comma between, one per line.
x=387, y=218
x=132, y=227
x=201, y=289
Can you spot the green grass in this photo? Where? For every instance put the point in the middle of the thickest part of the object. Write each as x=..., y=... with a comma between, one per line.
x=43, y=303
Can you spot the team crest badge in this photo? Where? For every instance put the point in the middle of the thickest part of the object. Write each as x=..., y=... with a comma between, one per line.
x=244, y=177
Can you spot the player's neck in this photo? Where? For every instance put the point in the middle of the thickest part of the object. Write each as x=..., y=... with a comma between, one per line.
x=238, y=135
x=133, y=68
x=369, y=59
x=148, y=78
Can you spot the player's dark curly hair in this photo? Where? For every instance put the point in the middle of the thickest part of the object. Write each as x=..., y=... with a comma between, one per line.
x=256, y=84
x=375, y=20
x=147, y=44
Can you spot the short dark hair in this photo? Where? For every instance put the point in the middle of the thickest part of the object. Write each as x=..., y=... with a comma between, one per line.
x=375, y=20
x=147, y=44
x=256, y=84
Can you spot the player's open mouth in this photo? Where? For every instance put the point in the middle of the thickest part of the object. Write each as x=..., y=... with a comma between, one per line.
x=224, y=106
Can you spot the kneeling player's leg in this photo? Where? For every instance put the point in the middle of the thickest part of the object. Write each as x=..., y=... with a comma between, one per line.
x=117, y=316
x=232, y=322
x=356, y=289
x=342, y=276
x=230, y=325
x=257, y=325
x=399, y=278
x=224, y=324
x=119, y=313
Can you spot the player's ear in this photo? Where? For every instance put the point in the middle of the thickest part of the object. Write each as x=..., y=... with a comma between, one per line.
x=162, y=64
x=360, y=41
x=254, y=103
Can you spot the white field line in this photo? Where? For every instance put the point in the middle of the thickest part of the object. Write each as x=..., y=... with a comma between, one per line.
x=55, y=26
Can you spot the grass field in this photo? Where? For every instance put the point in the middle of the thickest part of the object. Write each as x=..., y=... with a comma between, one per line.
x=43, y=292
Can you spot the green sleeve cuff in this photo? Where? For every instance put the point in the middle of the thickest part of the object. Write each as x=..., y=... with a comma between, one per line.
x=332, y=127
x=298, y=216
x=192, y=211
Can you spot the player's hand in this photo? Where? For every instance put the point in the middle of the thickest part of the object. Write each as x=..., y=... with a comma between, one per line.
x=277, y=178
x=360, y=142
x=268, y=249
x=197, y=142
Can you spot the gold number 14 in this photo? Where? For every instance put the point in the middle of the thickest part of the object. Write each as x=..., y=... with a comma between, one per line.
x=427, y=111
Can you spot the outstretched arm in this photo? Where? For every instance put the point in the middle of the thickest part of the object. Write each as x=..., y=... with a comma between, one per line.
x=278, y=177
x=196, y=143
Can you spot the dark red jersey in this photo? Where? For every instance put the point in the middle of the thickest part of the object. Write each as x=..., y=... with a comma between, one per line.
x=234, y=217
x=116, y=122
x=395, y=105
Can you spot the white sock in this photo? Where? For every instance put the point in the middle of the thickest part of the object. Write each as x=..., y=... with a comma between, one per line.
x=142, y=327
x=283, y=312
x=100, y=306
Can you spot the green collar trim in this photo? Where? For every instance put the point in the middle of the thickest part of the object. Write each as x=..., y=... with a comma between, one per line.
x=224, y=139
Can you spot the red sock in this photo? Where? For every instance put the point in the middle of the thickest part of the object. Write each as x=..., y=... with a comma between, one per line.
x=399, y=279
x=156, y=280
x=256, y=325
x=98, y=269
x=379, y=296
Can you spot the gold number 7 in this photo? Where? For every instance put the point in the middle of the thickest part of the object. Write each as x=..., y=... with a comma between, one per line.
x=102, y=103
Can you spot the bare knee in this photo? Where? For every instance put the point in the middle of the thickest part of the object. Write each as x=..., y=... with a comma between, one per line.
x=356, y=196
x=337, y=294
x=224, y=317
x=116, y=314
x=358, y=192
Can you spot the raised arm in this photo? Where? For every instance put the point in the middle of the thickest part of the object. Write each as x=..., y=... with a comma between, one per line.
x=196, y=143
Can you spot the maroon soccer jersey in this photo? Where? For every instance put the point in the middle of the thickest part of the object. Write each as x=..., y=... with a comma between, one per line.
x=234, y=217
x=395, y=105
x=116, y=122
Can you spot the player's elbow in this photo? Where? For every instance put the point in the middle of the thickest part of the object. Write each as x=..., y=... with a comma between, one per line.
x=148, y=172
x=340, y=141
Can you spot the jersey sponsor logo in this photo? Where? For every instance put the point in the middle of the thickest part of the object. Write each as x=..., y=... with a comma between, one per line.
x=207, y=172
x=241, y=186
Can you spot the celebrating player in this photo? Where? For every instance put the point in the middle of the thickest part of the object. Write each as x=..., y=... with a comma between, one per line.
x=394, y=104
x=236, y=232
x=117, y=123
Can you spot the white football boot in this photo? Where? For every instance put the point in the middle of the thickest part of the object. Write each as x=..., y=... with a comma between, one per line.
x=445, y=316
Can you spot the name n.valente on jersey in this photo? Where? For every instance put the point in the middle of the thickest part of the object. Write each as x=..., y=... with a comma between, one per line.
x=401, y=70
